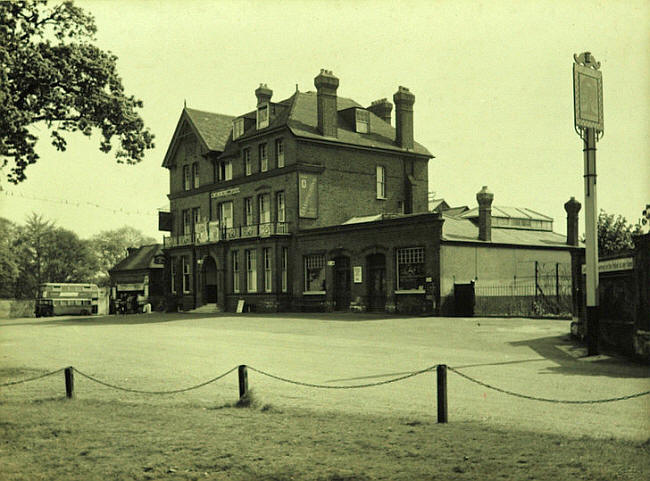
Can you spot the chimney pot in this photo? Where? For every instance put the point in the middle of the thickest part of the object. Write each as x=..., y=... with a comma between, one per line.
x=382, y=108
x=263, y=94
x=572, y=208
x=404, y=101
x=484, y=198
x=326, y=85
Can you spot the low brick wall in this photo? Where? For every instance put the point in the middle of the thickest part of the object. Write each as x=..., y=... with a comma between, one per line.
x=11, y=308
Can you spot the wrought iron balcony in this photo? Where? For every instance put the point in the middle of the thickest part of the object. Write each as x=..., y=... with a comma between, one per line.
x=211, y=233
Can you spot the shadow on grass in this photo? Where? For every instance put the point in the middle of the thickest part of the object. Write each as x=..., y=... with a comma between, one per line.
x=160, y=317
x=571, y=359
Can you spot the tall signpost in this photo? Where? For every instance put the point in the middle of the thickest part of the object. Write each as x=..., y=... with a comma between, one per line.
x=588, y=121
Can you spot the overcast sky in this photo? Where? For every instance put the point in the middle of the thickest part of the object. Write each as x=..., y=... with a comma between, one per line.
x=492, y=83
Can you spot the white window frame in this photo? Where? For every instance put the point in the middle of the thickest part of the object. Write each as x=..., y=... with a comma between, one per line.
x=187, y=221
x=235, y=272
x=279, y=152
x=381, y=182
x=248, y=165
x=281, y=206
x=237, y=128
x=314, y=261
x=362, y=121
x=249, y=215
x=408, y=255
x=196, y=179
x=187, y=272
x=251, y=270
x=264, y=206
x=264, y=157
x=172, y=273
x=285, y=268
x=225, y=170
x=186, y=177
x=226, y=214
x=268, y=269
x=263, y=120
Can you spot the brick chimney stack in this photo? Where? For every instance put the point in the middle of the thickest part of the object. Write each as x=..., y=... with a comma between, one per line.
x=326, y=84
x=404, y=101
x=382, y=108
x=572, y=207
x=485, y=198
x=263, y=94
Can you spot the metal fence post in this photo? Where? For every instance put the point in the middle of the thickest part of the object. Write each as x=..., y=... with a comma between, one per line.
x=69, y=382
x=243, y=380
x=441, y=371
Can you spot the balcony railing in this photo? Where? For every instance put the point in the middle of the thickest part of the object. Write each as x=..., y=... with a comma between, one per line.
x=210, y=233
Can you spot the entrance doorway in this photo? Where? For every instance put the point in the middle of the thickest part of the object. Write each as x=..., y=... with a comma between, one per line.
x=342, y=283
x=209, y=281
x=376, y=282
x=464, y=299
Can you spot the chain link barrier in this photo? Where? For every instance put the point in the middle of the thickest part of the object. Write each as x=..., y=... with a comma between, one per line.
x=534, y=398
x=355, y=386
x=325, y=386
x=176, y=391
x=12, y=383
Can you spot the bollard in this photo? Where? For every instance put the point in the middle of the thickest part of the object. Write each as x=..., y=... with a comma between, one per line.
x=441, y=371
x=69, y=382
x=243, y=381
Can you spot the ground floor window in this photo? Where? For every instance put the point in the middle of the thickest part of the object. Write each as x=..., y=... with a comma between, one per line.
x=251, y=271
x=235, y=271
x=410, y=269
x=315, y=273
x=268, y=272
x=285, y=262
x=187, y=271
x=172, y=274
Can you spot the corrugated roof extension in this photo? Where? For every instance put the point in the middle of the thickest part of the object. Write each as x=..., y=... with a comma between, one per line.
x=141, y=258
x=509, y=213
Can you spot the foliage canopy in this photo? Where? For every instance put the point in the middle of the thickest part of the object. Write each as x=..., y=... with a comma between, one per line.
x=52, y=75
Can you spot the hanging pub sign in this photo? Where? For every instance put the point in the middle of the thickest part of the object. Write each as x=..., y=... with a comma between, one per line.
x=587, y=92
x=308, y=195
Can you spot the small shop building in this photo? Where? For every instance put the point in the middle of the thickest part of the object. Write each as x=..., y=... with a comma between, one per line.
x=138, y=279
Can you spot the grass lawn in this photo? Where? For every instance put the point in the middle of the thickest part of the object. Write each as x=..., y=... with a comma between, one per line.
x=99, y=440
x=295, y=432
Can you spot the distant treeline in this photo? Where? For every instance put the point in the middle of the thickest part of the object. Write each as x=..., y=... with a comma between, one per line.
x=39, y=251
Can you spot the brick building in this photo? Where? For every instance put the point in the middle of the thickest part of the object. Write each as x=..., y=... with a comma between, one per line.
x=312, y=202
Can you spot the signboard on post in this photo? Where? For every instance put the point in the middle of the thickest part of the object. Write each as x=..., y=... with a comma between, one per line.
x=587, y=94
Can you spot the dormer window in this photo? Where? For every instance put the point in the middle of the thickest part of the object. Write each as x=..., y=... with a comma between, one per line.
x=237, y=128
x=362, y=118
x=263, y=116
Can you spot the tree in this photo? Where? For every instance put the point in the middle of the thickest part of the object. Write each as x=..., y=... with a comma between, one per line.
x=47, y=253
x=614, y=233
x=8, y=264
x=110, y=247
x=52, y=76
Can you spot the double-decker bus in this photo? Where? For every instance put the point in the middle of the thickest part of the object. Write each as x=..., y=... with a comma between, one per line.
x=56, y=298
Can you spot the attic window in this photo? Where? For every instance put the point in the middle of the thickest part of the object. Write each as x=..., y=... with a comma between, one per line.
x=362, y=118
x=263, y=116
x=237, y=128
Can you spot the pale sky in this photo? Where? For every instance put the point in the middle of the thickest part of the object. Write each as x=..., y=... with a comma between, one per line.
x=492, y=83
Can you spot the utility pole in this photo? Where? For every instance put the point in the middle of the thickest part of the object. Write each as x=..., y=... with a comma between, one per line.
x=588, y=123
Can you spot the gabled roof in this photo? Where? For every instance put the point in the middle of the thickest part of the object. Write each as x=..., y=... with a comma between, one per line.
x=464, y=230
x=212, y=130
x=140, y=258
x=438, y=205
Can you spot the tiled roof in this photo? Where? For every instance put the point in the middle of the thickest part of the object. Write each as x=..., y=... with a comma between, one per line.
x=464, y=230
x=303, y=122
x=141, y=258
x=213, y=128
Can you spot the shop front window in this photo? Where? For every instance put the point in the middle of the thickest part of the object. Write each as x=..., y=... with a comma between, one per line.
x=315, y=273
x=410, y=269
